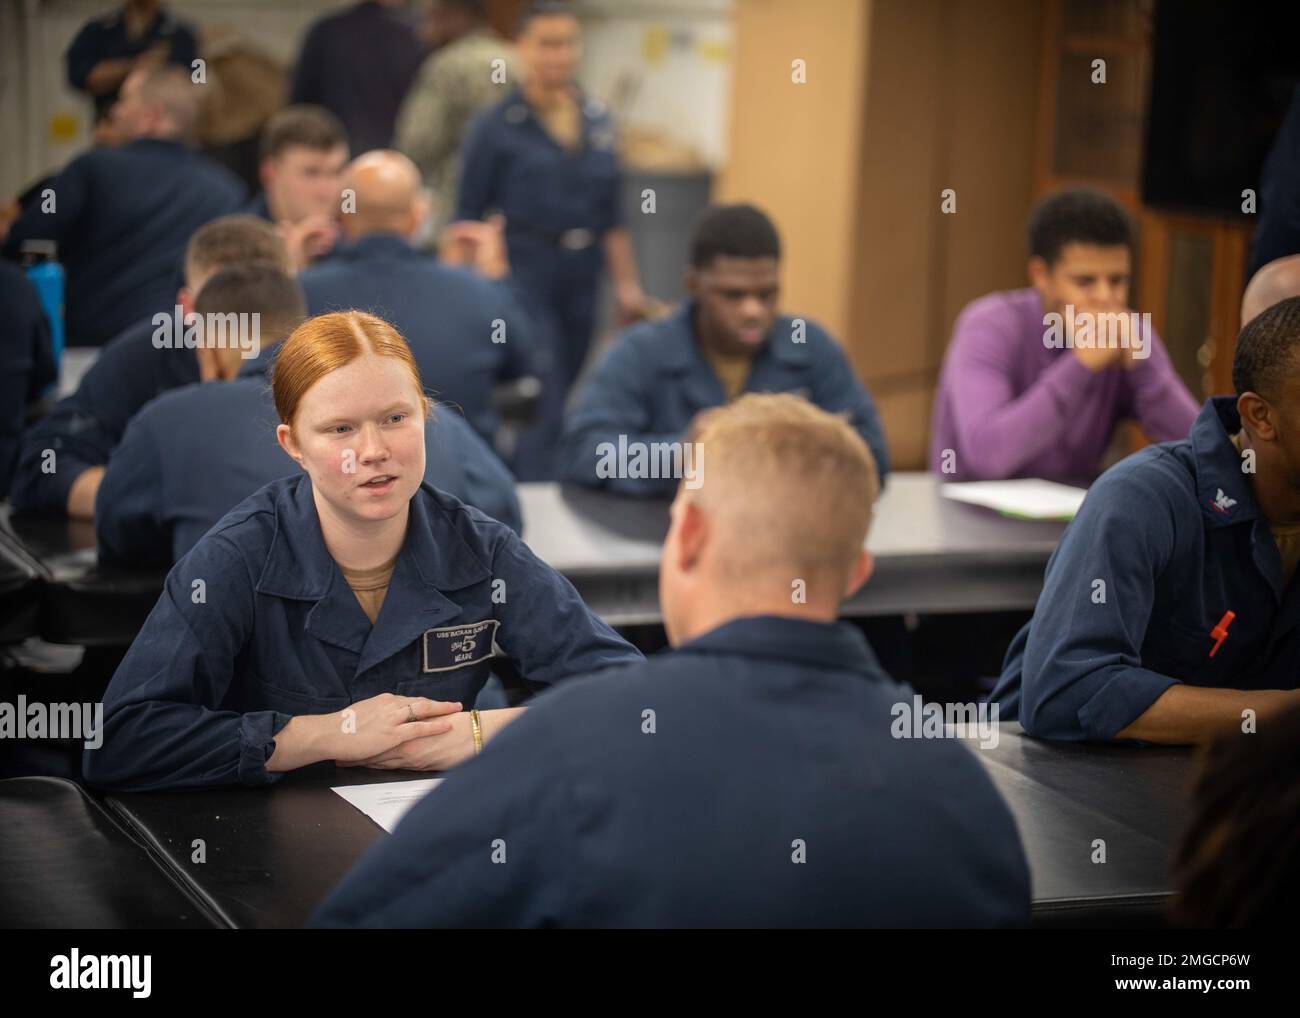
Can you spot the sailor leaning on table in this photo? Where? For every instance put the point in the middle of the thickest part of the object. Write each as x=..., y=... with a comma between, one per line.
x=347, y=613
x=1170, y=612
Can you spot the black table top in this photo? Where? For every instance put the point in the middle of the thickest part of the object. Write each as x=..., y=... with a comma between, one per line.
x=21, y=577
x=82, y=600
x=1069, y=797
x=274, y=853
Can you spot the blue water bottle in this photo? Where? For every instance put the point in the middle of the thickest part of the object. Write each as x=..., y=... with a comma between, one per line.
x=42, y=267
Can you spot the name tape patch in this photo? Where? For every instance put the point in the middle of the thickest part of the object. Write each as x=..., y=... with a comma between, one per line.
x=454, y=647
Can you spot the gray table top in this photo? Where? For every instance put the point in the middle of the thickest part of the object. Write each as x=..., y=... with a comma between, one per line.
x=932, y=554
x=578, y=530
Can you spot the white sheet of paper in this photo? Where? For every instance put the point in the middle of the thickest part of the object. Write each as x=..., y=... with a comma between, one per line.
x=1028, y=498
x=387, y=802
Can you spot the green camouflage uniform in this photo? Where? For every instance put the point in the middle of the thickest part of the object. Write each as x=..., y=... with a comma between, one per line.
x=454, y=83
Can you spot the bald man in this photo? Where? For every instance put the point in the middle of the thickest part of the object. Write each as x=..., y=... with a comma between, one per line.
x=1274, y=282
x=749, y=777
x=121, y=216
x=459, y=315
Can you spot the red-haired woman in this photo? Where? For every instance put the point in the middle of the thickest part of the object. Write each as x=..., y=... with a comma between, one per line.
x=348, y=613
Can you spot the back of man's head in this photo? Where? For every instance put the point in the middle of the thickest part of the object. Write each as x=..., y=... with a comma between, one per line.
x=387, y=189
x=174, y=98
x=776, y=521
x=253, y=299
x=1274, y=282
x=1237, y=863
x=232, y=240
x=1266, y=350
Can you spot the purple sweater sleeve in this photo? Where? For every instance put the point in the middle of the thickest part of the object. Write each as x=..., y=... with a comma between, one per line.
x=998, y=431
x=1158, y=399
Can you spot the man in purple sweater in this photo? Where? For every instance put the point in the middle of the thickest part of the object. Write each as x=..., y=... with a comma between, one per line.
x=1027, y=389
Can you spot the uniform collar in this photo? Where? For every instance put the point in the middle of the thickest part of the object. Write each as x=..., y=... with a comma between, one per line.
x=434, y=561
x=158, y=144
x=684, y=350
x=257, y=206
x=516, y=108
x=261, y=364
x=1223, y=491
x=299, y=567
x=833, y=645
x=373, y=245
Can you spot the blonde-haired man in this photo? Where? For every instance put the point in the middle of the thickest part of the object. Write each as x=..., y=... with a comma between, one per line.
x=746, y=778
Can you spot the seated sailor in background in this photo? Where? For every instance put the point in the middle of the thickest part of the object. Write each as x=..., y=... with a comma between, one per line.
x=303, y=150
x=121, y=216
x=726, y=339
x=1170, y=611
x=64, y=454
x=466, y=330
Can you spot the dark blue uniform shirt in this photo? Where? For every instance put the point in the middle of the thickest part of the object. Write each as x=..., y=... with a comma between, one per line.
x=558, y=206
x=680, y=791
x=195, y=453
x=105, y=38
x=257, y=624
x=359, y=63
x=1172, y=539
x=655, y=379
x=451, y=317
x=26, y=363
x=83, y=428
x=256, y=206
x=514, y=165
x=121, y=219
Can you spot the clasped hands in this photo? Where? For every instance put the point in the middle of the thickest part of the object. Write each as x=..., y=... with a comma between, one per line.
x=393, y=732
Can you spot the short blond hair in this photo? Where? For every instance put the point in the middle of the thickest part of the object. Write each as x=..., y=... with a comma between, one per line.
x=790, y=486
x=236, y=239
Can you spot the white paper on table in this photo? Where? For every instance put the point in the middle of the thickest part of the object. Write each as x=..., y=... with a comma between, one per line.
x=387, y=802
x=1027, y=498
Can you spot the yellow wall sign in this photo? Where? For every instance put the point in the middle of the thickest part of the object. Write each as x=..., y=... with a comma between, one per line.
x=64, y=127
